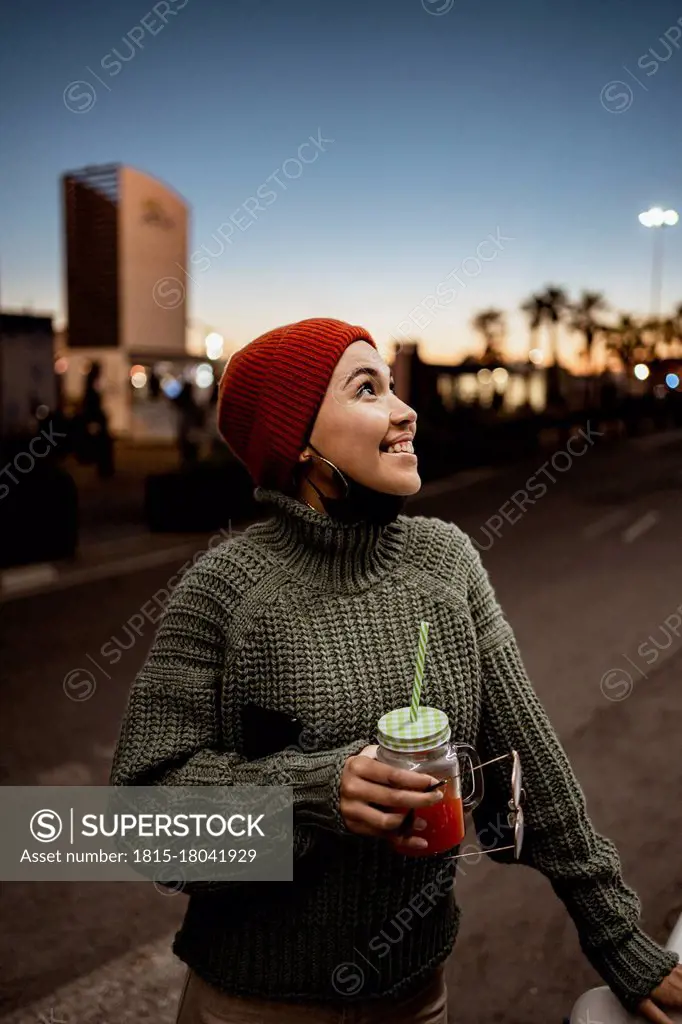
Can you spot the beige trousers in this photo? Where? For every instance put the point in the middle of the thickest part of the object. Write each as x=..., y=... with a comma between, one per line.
x=201, y=1003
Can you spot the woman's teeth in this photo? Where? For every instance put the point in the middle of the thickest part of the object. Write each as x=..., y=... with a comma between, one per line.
x=404, y=446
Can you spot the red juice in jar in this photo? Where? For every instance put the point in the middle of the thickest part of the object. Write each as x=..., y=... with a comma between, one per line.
x=424, y=745
x=444, y=823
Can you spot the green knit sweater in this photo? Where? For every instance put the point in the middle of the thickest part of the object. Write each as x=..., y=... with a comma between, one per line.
x=320, y=620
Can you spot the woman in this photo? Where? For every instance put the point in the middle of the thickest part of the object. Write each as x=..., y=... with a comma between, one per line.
x=313, y=613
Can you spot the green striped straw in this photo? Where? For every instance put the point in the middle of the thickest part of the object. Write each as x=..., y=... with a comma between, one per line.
x=419, y=671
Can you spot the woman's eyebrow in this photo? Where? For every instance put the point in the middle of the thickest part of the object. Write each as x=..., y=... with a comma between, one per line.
x=369, y=370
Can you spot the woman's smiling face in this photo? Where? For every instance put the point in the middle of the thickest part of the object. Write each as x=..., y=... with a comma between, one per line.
x=359, y=417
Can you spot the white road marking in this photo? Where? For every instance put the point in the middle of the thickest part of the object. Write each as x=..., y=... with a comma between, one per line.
x=659, y=439
x=71, y=773
x=640, y=526
x=106, y=751
x=457, y=482
x=604, y=524
x=25, y=577
x=143, y=984
x=26, y=581
x=118, y=567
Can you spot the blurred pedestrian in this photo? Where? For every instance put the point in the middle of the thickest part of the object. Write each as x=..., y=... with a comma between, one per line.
x=153, y=385
x=93, y=442
x=190, y=425
x=215, y=444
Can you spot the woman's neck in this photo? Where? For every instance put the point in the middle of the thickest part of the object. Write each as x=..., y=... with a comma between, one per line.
x=326, y=553
x=360, y=504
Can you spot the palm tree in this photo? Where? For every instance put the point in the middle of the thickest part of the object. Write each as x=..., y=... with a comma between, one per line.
x=627, y=341
x=677, y=326
x=534, y=308
x=556, y=304
x=549, y=308
x=657, y=333
x=671, y=331
x=490, y=324
x=584, y=321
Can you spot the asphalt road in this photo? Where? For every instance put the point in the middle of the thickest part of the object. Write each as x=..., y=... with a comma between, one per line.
x=587, y=573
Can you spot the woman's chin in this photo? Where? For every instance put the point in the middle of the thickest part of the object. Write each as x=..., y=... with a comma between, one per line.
x=416, y=485
x=403, y=480
x=399, y=478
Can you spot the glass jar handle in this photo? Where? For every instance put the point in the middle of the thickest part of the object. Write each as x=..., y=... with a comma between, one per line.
x=466, y=752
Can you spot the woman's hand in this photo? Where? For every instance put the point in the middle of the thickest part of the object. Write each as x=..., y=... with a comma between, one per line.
x=668, y=993
x=366, y=782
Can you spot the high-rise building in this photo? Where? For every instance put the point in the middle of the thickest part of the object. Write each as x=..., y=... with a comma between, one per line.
x=125, y=248
x=91, y=212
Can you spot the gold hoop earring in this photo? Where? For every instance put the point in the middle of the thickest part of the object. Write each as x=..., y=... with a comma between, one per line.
x=346, y=485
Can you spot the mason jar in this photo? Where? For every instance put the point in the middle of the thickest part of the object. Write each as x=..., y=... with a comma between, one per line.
x=424, y=745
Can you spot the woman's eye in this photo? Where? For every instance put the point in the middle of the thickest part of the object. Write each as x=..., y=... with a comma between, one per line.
x=370, y=384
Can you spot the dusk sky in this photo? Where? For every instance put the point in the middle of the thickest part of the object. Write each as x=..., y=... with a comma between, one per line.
x=446, y=123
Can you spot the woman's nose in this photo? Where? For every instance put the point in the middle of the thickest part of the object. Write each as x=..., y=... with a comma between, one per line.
x=406, y=415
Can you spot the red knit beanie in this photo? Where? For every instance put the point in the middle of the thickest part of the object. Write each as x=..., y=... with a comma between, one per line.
x=271, y=391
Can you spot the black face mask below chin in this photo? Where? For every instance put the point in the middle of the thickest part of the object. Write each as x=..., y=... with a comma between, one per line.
x=362, y=503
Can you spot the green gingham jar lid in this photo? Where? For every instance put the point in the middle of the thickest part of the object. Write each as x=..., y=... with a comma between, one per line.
x=396, y=731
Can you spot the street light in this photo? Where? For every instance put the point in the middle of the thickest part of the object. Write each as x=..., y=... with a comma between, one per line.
x=214, y=345
x=656, y=217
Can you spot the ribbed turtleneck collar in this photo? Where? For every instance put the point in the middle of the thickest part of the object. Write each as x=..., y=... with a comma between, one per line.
x=326, y=554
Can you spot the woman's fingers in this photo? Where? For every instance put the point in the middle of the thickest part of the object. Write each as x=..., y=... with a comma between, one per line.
x=373, y=793
x=669, y=992
x=386, y=775
x=357, y=813
x=652, y=1012
x=366, y=783
x=411, y=841
x=359, y=808
x=399, y=843
x=359, y=800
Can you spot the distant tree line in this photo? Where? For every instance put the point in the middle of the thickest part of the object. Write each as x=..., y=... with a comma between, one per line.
x=630, y=339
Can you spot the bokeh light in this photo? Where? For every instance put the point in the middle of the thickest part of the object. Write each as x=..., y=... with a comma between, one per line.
x=656, y=217
x=215, y=345
x=204, y=375
x=171, y=387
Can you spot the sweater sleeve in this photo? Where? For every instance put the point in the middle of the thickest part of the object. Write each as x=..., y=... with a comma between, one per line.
x=582, y=866
x=171, y=731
